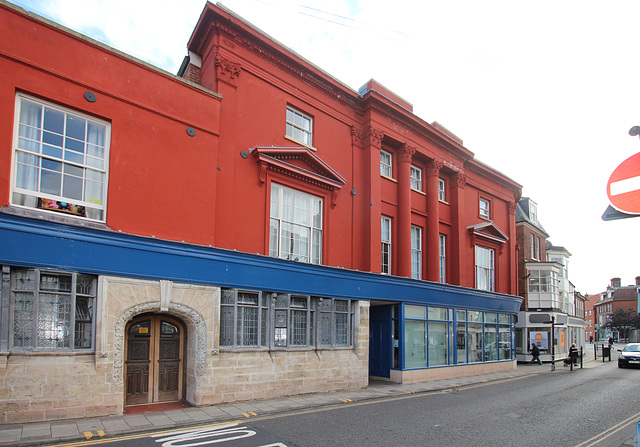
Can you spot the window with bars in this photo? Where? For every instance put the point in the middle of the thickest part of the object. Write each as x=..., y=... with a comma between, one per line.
x=252, y=319
x=52, y=311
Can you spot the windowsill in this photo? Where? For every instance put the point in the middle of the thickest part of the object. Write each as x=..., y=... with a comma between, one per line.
x=288, y=349
x=300, y=143
x=53, y=217
x=418, y=191
x=444, y=202
x=389, y=178
x=48, y=353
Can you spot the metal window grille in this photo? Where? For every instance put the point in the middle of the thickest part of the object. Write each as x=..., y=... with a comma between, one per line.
x=52, y=311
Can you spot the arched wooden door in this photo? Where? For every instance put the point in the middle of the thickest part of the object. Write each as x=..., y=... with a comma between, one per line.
x=154, y=365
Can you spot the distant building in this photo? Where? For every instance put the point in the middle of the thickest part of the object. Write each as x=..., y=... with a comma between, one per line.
x=614, y=298
x=549, y=295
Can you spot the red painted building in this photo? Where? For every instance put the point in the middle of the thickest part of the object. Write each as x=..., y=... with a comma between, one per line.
x=203, y=237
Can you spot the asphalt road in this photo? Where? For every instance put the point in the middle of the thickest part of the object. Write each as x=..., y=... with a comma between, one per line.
x=590, y=407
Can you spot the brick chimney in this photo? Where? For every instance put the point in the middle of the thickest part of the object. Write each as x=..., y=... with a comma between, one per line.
x=637, y=280
x=615, y=282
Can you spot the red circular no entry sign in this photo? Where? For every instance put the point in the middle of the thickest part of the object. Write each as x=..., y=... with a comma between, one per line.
x=623, y=187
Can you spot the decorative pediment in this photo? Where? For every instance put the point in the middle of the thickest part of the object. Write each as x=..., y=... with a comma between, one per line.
x=487, y=231
x=300, y=163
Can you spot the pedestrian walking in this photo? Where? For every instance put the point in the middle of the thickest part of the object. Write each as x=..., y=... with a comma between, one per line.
x=611, y=341
x=535, y=353
x=591, y=339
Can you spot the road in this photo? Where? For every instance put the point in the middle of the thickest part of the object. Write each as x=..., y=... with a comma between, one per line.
x=590, y=407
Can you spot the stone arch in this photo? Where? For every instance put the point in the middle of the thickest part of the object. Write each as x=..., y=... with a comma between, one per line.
x=196, y=325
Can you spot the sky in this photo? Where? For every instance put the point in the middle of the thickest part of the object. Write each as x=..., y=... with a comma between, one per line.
x=544, y=92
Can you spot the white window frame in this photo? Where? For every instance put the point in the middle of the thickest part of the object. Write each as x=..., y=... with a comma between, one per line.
x=443, y=258
x=385, y=237
x=533, y=212
x=52, y=311
x=416, y=252
x=416, y=178
x=533, y=248
x=386, y=164
x=484, y=206
x=299, y=126
x=295, y=225
x=46, y=157
x=485, y=268
x=442, y=196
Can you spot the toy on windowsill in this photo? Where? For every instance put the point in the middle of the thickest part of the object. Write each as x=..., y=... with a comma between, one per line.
x=61, y=207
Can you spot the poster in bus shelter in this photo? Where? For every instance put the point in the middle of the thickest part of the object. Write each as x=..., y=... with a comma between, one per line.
x=539, y=338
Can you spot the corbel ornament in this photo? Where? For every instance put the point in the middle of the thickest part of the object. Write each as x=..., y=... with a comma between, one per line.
x=461, y=180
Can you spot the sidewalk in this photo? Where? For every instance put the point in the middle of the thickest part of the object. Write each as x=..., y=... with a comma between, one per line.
x=41, y=433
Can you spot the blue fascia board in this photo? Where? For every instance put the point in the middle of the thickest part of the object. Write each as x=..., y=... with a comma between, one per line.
x=43, y=244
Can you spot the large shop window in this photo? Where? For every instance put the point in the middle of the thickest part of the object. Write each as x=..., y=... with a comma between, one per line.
x=296, y=225
x=253, y=319
x=60, y=160
x=52, y=311
x=436, y=336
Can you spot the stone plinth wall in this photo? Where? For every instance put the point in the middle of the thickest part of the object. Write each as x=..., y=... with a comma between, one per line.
x=39, y=387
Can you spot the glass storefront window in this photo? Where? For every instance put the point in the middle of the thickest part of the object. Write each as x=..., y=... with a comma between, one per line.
x=415, y=352
x=490, y=343
x=461, y=342
x=474, y=331
x=438, y=344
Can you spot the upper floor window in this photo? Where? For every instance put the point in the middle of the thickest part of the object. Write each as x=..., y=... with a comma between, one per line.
x=386, y=164
x=299, y=126
x=543, y=281
x=296, y=225
x=253, y=319
x=416, y=252
x=533, y=212
x=535, y=247
x=443, y=258
x=485, y=268
x=52, y=311
x=485, y=208
x=441, y=191
x=60, y=160
x=416, y=178
x=385, y=237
